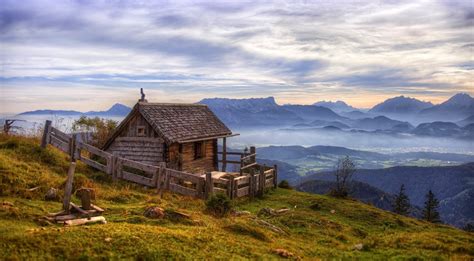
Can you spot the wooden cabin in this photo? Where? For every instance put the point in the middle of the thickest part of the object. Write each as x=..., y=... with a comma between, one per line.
x=184, y=136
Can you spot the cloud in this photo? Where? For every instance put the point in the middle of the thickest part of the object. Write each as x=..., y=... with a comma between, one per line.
x=295, y=51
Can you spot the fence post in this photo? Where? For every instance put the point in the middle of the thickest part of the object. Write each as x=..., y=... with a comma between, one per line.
x=46, y=134
x=253, y=159
x=224, y=154
x=252, y=183
x=161, y=173
x=230, y=187
x=110, y=165
x=241, y=163
x=209, y=187
x=72, y=147
x=68, y=188
x=275, y=176
x=261, y=181
x=118, y=168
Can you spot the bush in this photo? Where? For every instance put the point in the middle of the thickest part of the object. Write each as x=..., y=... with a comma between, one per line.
x=284, y=184
x=219, y=205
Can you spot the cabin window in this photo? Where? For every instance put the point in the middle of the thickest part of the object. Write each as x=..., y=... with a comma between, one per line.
x=141, y=131
x=198, y=150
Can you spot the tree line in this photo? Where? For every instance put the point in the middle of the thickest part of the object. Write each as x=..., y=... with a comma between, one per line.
x=346, y=168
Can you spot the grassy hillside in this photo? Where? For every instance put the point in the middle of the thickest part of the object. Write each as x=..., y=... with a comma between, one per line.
x=315, y=227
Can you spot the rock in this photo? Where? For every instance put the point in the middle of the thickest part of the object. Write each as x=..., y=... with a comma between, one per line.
x=333, y=211
x=266, y=212
x=51, y=194
x=176, y=215
x=359, y=246
x=284, y=253
x=154, y=212
x=108, y=239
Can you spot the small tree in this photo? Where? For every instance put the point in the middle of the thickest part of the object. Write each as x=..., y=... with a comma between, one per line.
x=99, y=129
x=401, y=205
x=430, y=211
x=344, y=170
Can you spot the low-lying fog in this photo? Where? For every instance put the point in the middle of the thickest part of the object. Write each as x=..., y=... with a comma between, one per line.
x=259, y=137
x=383, y=143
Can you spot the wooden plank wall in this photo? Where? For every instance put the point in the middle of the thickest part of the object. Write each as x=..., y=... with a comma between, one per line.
x=202, y=165
x=148, y=148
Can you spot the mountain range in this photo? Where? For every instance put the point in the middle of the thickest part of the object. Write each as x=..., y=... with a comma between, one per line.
x=337, y=106
x=116, y=110
x=451, y=118
x=400, y=105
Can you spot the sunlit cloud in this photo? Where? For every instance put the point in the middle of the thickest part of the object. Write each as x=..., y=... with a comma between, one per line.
x=102, y=52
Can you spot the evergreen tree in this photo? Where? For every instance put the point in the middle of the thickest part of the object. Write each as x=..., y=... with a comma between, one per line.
x=430, y=212
x=401, y=205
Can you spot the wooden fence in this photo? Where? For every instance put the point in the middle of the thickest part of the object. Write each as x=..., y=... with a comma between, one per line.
x=253, y=179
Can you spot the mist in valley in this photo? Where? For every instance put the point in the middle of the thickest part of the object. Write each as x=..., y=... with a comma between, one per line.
x=377, y=142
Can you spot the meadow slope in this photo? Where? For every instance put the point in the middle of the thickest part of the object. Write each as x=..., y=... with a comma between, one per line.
x=315, y=227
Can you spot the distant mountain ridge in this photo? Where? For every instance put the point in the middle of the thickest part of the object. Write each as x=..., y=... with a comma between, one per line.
x=116, y=110
x=401, y=105
x=457, y=108
x=265, y=111
x=337, y=106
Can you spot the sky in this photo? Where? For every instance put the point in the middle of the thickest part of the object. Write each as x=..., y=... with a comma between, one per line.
x=90, y=54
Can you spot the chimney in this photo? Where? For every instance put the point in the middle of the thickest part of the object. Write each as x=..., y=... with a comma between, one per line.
x=142, y=99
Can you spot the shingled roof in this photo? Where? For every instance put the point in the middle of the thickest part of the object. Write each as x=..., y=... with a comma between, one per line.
x=178, y=122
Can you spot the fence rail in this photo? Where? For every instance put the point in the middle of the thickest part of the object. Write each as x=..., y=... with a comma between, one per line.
x=162, y=178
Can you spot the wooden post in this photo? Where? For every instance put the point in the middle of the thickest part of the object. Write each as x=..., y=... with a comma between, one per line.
x=230, y=187
x=72, y=147
x=275, y=176
x=215, y=156
x=252, y=183
x=86, y=195
x=241, y=163
x=118, y=168
x=209, y=188
x=68, y=188
x=224, y=154
x=261, y=182
x=110, y=165
x=161, y=174
x=253, y=159
x=46, y=134
x=167, y=181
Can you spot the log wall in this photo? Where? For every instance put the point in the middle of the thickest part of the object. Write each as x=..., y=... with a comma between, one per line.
x=147, y=148
x=202, y=165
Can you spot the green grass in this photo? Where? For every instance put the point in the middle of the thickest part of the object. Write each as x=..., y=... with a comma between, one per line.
x=308, y=233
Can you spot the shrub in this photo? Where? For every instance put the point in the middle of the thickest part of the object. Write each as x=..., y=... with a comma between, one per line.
x=284, y=184
x=219, y=205
x=9, y=144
